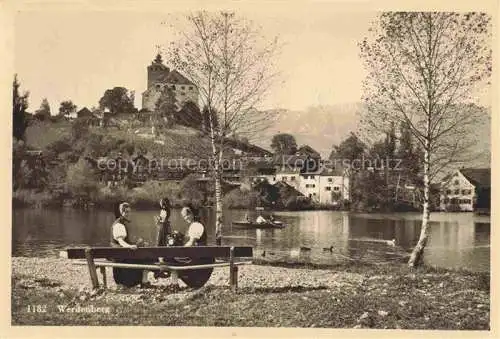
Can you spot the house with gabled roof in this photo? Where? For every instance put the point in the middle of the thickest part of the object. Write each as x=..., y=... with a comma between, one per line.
x=160, y=77
x=466, y=189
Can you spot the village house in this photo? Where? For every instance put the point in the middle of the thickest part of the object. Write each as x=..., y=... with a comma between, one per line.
x=325, y=186
x=466, y=189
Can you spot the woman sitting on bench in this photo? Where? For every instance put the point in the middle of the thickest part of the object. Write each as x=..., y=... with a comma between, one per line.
x=120, y=237
x=196, y=234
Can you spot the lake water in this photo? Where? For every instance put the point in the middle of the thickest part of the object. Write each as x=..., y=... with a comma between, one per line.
x=457, y=240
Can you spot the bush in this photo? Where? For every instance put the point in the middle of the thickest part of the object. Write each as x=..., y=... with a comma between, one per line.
x=238, y=198
x=151, y=192
x=81, y=180
x=107, y=197
x=297, y=203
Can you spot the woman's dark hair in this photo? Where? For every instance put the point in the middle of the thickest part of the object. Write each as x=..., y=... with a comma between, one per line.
x=194, y=211
x=116, y=208
x=165, y=204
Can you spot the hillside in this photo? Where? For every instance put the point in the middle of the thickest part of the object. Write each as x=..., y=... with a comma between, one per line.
x=40, y=134
x=179, y=141
x=320, y=127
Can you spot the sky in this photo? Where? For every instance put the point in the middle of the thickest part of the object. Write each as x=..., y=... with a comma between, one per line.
x=75, y=51
x=77, y=55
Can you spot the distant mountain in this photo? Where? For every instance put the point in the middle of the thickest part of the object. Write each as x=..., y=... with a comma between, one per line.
x=319, y=127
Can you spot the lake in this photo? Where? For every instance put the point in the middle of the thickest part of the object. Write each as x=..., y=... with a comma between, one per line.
x=457, y=240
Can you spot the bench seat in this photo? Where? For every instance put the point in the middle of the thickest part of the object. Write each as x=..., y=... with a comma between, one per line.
x=101, y=257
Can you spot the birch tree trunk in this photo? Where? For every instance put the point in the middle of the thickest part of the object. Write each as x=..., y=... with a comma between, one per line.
x=418, y=250
x=218, y=204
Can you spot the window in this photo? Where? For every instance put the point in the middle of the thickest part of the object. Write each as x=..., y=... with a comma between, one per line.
x=313, y=185
x=466, y=192
x=448, y=191
x=292, y=178
x=284, y=178
x=158, y=86
x=446, y=200
x=457, y=182
x=330, y=179
x=182, y=87
x=457, y=192
x=314, y=194
x=173, y=87
x=191, y=87
x=328, y=188
x=311, y=177
x=274, y=178
x=336, y=188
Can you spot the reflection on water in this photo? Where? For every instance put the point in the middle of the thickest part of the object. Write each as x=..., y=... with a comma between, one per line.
x=460, y=240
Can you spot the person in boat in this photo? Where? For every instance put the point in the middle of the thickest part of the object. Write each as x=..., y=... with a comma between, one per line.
x=121, y=237
x=261, y=220
x=196, y=233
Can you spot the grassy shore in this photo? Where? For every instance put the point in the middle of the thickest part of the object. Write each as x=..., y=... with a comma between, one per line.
x=347, y=296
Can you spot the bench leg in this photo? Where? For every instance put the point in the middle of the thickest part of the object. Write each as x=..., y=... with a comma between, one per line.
x=92, y=269
x=103, y=272
x=233, y=271
x=233, y=277
x=174, y=276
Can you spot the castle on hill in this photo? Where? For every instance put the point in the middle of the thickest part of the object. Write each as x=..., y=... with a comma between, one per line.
x=159, y=77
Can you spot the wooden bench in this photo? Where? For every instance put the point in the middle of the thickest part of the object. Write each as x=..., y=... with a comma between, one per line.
x=102, y=257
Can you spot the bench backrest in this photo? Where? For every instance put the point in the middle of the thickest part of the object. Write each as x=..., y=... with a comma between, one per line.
x=156, y=252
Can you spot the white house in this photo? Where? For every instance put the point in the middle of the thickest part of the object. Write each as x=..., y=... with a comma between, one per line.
x=465, y=189
x=323, y=186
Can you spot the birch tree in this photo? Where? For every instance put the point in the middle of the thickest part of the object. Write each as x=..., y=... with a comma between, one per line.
x=233, y=66
x=424, y=69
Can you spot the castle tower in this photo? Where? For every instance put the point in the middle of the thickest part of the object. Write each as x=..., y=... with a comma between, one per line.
x=157, y=71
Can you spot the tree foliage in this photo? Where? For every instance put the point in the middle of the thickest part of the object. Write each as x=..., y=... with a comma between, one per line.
x=66, y=108
x=232, y=66
x=349, y=149
x=81, y=179
x=19, y=106
x=117, y=100
x=43, y=113
x=424, y=69
x=166, y=106
x=284, y=144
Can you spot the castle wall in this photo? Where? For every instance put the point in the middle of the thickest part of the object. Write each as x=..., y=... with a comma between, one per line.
x=183, y=94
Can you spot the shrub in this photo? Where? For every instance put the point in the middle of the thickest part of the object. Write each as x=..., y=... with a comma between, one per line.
x=238, y=198
x=151, y=192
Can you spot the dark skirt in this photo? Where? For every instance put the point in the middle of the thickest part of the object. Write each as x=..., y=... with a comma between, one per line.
x=194, y=278
x=126, y=276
